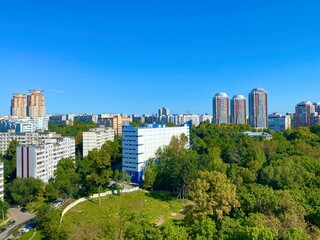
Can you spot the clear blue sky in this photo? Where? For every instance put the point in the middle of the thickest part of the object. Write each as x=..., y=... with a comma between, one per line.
x=137, y=56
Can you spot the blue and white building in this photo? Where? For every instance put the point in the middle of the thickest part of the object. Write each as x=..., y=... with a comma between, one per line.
x=140, y=144
x=21, y=125
x=278, y=122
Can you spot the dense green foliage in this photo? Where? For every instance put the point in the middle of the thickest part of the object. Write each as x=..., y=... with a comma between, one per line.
x=251, y=188
x=9, y=161
x=129, y=216
x=239, y=187
x=24, y=190
x=49, y=220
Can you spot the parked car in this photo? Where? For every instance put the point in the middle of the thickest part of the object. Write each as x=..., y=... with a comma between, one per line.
x=26, y=228
x=11, y=223
x=24, y=210
x=58, y=203
x=2, y=229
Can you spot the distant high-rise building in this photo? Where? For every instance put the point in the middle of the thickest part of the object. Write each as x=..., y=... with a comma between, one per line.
x=220, y=108
x=303, y=113
x=36, y=104
x=238, y=110
x=316, y=106
x=258, y=108
x=18, y=105
x=164, y=111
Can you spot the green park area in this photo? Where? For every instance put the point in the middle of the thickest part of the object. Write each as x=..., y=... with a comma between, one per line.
x=88, y=220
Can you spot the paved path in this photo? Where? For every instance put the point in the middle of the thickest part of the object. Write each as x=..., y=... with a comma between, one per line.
x=21, y=219
x=34, y=234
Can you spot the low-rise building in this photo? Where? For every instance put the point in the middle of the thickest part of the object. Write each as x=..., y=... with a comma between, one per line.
x=264, y=135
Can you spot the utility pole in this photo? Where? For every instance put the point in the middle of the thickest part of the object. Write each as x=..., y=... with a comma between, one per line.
x=2, y=217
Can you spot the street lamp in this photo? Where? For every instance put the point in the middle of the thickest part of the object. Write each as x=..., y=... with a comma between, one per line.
x=2, y=217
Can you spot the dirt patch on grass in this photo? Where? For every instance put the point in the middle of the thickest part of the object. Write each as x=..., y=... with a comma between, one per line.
x=160, y=221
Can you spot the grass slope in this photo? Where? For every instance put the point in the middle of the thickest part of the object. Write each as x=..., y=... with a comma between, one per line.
x=85, y=220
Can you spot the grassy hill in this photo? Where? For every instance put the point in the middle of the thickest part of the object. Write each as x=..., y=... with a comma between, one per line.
x=86, y=220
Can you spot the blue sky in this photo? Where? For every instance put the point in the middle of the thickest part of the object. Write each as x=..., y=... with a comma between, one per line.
x=137, y=56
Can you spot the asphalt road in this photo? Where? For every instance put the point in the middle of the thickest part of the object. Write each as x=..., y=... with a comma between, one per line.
x=21, y=219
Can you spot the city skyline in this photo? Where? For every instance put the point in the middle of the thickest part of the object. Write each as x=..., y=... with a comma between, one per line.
x=135, y=57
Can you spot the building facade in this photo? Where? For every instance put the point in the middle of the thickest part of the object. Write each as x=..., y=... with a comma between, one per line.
x=95, y=138
x=36, y=104
x=205, y=118
x=86, y=118
x=18, y=105
x=164, y=111
x=40, y=161
x=23, y=124
x=220, y=108
x=141, y=144
x=1, y=181
x=302, y=117
x=26, y=138
x=238, y=110
x=258, y=108
x=59, y=119
x=278, y=122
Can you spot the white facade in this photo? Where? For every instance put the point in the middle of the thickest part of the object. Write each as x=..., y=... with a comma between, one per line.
x=40, y=161
x=179, y=119
x=205, y=118
x=95, y=138
x=278, y=122
x=26, y=138
x=141, y=144
x=1, y=181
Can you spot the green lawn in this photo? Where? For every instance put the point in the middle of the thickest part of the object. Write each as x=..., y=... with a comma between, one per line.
x=28, y=235
x=84, y=220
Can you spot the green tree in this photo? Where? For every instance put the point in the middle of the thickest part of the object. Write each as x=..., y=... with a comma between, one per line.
x=150, y=175
x=24, y=190
x=172, y=232
x=202, y=229
x=260, y=233
x=175, y=167
x=48, y=221
x=4, y=206
x=213, y=194
x=295, y=234
x=66, y=179
x=101, y=168
x=9, y=161
x=51, y=193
